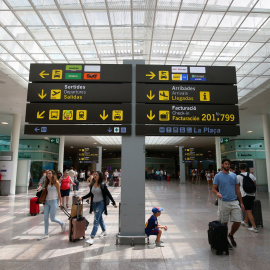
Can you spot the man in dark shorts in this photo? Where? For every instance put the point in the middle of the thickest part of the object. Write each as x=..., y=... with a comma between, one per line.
x=152, y=227
x=248, y=198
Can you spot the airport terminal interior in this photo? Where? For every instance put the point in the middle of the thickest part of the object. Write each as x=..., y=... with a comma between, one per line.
x=140, y=62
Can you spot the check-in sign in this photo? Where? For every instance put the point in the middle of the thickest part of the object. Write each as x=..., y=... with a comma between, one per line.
x=187, y=114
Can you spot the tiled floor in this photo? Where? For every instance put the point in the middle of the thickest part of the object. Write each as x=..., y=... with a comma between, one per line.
x=187, y=210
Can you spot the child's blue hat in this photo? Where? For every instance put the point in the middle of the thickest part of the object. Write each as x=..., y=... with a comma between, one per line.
x=156, y=209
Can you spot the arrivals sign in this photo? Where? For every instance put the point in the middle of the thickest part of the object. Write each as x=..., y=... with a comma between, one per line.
x=186, y=93
x=80, y=73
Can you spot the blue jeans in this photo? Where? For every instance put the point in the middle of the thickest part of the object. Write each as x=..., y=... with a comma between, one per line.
x=98, y=208
x=50, y=208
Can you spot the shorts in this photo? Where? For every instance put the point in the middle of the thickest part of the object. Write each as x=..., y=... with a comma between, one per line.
x=248, y=202
x=65, y=192
x=229, y=211
x=152, y=232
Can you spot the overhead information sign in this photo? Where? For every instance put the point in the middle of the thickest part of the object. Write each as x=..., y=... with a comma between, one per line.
x=185, y=130
x=88, y=155
x=187, y=114
x=90, y=130
x=186, y=93
x=80, y=73
x=185, y=74
x=192, y=154
x=59, y=113
x=79, y=92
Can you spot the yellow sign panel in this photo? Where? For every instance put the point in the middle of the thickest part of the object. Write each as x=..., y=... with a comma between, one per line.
x=164, y=115
x=57, y=74
x=176, y=77
x=204, y=96
x=117, y=115
x=164, y=95
x=56, y=94
x=54, y=114
x=67, y=114
x=81, y=114
x=163, y=75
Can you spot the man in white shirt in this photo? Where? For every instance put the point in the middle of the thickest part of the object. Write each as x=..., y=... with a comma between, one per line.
x=248, y=198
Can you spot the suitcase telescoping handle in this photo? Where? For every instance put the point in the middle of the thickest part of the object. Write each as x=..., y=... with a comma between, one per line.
x=220, y=209
x=78, y=209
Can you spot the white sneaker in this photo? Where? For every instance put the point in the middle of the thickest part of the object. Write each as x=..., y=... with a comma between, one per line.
x=63, y=227
x=90, y=241
x=43, y=237
x=159, y=244
x=243, y=223
x=103, y=234
x=253, y=230
x=159, y=241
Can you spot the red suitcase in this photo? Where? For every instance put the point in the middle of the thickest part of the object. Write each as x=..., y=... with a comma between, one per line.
x=34, y=207
x=76, y=227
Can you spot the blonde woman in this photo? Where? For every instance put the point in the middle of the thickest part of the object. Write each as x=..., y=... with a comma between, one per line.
x=53, y=197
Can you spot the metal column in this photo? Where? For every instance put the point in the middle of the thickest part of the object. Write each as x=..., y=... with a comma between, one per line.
x=182, y=166
x=132, y=216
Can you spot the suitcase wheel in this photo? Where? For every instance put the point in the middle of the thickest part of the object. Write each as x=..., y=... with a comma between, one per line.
x=83, y=237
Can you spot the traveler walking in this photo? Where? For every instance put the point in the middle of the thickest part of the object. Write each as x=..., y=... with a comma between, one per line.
x=98, y=193
x=228, y=207
x=53, y=197
x=248, y=198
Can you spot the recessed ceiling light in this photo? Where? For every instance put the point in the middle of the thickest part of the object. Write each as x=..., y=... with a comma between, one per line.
x=71, y=146
x=94, y=143
x=192, y=137
x=4, y=123
x=176, y=146
x=250, y=131
x=104, y=149
x=209, y=151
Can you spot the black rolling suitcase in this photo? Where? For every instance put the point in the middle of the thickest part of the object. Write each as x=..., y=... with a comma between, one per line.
x=257, y=213
x=217, y=237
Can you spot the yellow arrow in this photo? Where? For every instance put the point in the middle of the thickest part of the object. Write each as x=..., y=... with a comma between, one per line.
x=42, y=74
x=104, y=116
x=42, y=94
x=153, y=75
x=40, y=115
x=150, y=97
x=151, y=117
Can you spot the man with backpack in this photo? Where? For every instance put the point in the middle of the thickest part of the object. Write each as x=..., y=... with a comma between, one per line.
x=248, y=188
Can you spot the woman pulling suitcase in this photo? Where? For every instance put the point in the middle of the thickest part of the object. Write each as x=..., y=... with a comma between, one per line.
x=98, y=193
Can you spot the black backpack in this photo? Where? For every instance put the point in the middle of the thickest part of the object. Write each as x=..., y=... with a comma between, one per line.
x=248, y=184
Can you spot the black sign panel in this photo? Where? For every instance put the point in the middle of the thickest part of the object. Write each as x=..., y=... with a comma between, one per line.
x=187, y=114
x=185, y=74
x=79, y=92
x=180, y=130
x=86, y=155
x=186, y=93
x=59, y=113
x=80, y=73
x=90, y=130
